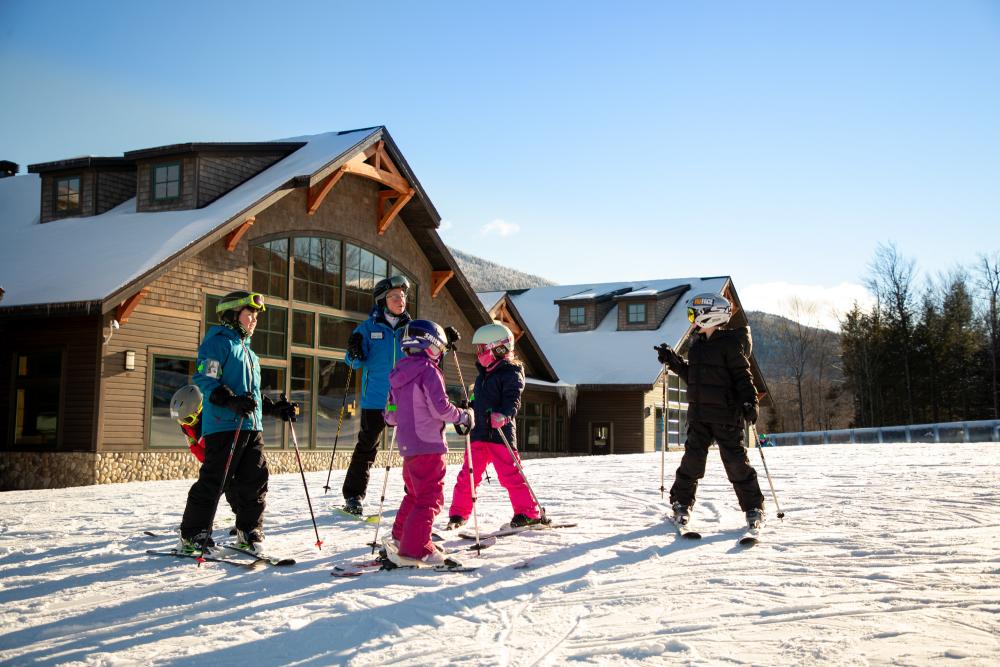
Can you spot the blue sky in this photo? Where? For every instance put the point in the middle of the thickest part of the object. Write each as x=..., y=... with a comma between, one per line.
x=776, y=142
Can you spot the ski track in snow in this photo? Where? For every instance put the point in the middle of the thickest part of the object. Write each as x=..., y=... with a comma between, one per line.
x=888, y=554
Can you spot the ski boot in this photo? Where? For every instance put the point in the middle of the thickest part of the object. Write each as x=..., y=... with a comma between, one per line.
x=755, y=519
x=682, y=513
x=353, y=505
x=523, y=520
x=199, y=543
x=251, y=541
x=455, y=521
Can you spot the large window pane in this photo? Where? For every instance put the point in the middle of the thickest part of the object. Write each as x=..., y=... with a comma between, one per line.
x=272, y=384
x=330, y=397
x=302, y=393
x=302, y=327
x=317, y=271
x=271, y=335
x=270, y=268
x=334, y=332
x=36, y=416
x=169, y=375
x=362, y=269
x=67, y=194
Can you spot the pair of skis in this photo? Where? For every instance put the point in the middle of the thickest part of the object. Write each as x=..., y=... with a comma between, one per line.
x=750, y=536
x=259, y=559
x=357, y=569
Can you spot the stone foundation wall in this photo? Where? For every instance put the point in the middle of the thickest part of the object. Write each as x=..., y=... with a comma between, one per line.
x=55, y=470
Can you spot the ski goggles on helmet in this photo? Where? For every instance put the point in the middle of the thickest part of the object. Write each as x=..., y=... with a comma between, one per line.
x=190, y=419
x=252, y=300
x=500, y=347
x=691, y=315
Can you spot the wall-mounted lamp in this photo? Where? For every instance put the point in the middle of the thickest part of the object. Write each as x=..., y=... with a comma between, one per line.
x=130, y=360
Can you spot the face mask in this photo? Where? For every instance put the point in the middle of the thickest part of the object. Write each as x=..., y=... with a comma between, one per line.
x=485, y=358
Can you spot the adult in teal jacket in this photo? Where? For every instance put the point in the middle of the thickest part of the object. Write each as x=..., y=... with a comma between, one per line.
x=374, y=347
x=228, y=372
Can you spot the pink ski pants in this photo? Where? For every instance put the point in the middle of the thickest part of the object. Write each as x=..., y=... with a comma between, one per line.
x=484, y=453
x=423, y=476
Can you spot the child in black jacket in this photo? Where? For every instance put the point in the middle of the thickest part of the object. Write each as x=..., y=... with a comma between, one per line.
x=721, y=399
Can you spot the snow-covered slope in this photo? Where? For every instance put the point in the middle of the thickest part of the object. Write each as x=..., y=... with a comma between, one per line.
x=887, y=555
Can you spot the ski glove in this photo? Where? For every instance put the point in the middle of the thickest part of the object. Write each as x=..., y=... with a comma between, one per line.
x=354, y=347
x=751, y=412
x=284, y=409
x=465, y=422
x=665, y=355
x=498, y=420
x=241, y=405
x=451, y=333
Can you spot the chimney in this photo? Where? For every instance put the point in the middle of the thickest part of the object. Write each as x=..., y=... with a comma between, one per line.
x=8, y=168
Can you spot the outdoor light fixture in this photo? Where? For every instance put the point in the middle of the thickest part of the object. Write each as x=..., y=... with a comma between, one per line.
x=130, y=360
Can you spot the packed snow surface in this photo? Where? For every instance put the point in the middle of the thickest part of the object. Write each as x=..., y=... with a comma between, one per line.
x=888, y=554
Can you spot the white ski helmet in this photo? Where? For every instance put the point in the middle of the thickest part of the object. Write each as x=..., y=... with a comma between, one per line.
x=495, y=338
x=708, y=310
x=185, y=405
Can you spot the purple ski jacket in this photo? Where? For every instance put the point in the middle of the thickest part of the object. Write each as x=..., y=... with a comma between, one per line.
x=416, y=389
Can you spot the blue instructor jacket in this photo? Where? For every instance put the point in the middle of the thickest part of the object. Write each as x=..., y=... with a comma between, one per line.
x=380, y=344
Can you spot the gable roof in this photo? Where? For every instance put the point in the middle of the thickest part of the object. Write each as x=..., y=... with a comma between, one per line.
x=529, y=347
x=91, y=264
x=605, y=355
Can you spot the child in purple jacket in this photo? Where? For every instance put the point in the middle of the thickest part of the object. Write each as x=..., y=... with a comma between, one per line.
x=419, y=409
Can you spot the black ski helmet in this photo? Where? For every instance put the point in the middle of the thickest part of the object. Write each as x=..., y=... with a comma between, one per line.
x=232, y=305
x=384, y=286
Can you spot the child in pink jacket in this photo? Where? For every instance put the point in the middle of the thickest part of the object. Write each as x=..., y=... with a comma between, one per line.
x=419, y=409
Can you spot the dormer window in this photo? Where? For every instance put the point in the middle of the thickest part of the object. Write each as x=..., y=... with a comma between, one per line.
x=167, y=181
x=636, y=313
x=67, y=194
x=577, y=315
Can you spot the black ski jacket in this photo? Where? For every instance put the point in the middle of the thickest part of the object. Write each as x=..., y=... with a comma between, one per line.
x=718, y=378
x=497, y=390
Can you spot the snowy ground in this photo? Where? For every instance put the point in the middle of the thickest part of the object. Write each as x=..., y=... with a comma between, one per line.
x=889, y=554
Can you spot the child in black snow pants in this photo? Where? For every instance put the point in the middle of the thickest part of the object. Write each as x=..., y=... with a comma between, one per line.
x=721, y=399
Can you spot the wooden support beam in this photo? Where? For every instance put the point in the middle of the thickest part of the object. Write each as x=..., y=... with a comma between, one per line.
x=390, y=215
x=233, y=238
x=438, y=281
x=126, y=307
x=318, y=192
x=359, y=167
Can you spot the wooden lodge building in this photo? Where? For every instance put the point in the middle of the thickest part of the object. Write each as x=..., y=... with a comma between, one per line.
x=111, y=268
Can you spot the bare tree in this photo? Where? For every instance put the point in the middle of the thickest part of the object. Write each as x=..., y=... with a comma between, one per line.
x=989, y=283
x=798, y=343
x=891, y=281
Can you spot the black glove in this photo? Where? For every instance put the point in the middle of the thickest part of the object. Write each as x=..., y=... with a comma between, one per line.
x=665, y=355
x=751, y=412
x=451, y=333
x=284, y=409
x=224, y=397
x=354, y=347
x=465, y=423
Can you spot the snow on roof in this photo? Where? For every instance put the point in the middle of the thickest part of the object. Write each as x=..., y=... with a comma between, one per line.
x=489, y=299
x=88, y=259
x=606, y=355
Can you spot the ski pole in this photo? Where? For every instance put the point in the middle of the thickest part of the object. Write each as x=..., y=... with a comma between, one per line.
x=385, y=483
x=468, y=456
x=753, y=429
x=340, y=422
x=663, y=449
x=225, y=470
x=520, y=469
x=305, y=487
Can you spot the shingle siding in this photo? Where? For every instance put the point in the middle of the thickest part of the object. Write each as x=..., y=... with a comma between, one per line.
x=218, y=175
x=114, y=187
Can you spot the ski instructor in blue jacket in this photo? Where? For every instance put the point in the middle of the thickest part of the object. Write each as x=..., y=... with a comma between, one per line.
x=374, y=347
